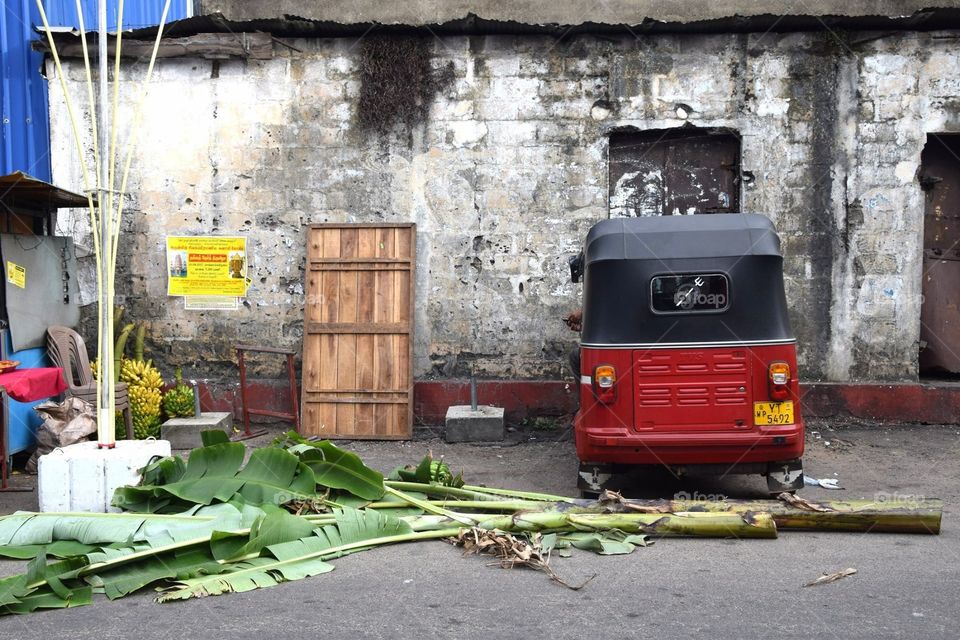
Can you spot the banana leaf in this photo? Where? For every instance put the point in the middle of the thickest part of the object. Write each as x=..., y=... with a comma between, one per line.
x=283, y=562
x=40, y=587
x=606, y=543
x=98, y=529
x=214, y=474
x=58, y=549
x=244, y=576
x=213, y=436
x=334, y=467
x=275, y=527
x=48, y=599
x=273, y=475
x=124, y=579
x=124, y=568
x=338, y=469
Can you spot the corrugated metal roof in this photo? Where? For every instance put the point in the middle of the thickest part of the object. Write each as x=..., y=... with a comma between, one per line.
x=25, y=131
x=137, y=14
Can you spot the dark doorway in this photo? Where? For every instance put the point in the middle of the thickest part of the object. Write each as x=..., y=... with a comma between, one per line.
x=674, y=171
x=940, y=311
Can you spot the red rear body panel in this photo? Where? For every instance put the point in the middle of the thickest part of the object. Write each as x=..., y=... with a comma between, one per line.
x=688, y=405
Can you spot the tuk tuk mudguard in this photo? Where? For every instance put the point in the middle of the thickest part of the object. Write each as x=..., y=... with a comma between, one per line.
x=688, y=383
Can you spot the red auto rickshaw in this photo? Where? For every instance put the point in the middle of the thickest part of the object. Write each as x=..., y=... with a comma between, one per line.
x=687, y=358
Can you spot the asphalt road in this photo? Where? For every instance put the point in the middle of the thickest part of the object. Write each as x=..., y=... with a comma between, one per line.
x=907, y=586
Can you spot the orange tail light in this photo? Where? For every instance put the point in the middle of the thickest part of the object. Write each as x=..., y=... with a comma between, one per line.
x=779, y=380
x=605, y=383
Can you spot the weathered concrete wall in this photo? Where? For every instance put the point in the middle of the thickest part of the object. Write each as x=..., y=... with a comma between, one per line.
x=508, y=171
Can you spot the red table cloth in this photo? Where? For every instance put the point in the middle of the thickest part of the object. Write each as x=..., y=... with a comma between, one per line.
x=27, y=385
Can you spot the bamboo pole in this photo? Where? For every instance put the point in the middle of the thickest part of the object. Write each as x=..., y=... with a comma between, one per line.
x=88, y=190
x=105, y=432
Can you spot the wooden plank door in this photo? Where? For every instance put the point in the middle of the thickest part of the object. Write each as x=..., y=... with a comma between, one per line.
x=358, y=331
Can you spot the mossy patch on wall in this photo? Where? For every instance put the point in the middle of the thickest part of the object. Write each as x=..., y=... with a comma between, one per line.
x=397, y=82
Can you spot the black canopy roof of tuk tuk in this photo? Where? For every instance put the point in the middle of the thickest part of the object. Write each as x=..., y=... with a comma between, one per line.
x=622, y=257
x=674, y=237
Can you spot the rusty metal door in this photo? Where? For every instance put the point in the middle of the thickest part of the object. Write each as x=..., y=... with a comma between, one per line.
x=674, y=171
x=940, y=311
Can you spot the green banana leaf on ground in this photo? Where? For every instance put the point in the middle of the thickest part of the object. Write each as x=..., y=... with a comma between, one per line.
x=213, y=524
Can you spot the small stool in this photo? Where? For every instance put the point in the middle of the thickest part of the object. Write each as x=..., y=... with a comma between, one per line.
x=293, y=416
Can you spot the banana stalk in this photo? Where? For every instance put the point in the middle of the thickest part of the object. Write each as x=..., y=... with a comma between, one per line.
x=138, y=342
x=866, y=516
x=443, y=491
x=699, y=525
x=118, y=349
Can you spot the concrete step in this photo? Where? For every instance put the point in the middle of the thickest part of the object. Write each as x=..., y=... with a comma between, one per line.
x=184, y=433
x=464, y=424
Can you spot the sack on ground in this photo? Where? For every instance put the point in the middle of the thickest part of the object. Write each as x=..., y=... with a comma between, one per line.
x=64, y=423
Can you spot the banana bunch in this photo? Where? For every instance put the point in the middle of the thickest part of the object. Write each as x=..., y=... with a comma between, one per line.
x=440, y=473
x=140, y=373
x=429, y=471
x=144, y=384
x=178, y=402
x=145, y=407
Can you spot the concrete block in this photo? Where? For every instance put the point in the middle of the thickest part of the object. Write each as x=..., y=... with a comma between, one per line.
x=83, y=477
x=466, y=425
x=184, y=433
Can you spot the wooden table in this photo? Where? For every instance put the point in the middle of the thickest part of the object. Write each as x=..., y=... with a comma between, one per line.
x=25, y=385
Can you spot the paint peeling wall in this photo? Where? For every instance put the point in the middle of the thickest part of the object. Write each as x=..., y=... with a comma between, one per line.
x=509, y=171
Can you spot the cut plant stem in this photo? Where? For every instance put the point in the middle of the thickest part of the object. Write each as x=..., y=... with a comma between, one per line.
x=523, y=495
x=430, y=508
x=875, y=516
x=443, y=490
x=708, y=525
x=482, y=505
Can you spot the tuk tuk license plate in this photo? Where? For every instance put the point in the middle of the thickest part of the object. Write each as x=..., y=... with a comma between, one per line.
x=772, y=413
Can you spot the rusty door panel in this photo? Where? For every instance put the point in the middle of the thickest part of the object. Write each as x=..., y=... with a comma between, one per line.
x=674, y=172
x=940, y=312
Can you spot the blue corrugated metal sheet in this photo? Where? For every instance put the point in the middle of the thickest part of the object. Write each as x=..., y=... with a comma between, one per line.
x=25, y=133
x=136, y=13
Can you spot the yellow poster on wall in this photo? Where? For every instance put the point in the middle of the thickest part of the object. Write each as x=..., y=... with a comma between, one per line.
x=16, y=275
x=206, y=266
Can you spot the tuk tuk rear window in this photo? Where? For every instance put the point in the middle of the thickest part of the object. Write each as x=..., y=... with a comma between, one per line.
x=690, y=293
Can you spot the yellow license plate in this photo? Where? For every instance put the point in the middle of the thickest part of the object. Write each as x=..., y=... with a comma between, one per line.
x=771, y=413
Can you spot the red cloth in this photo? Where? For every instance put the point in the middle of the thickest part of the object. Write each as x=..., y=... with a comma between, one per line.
x=27, y=385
